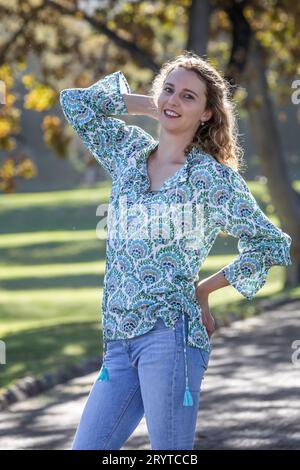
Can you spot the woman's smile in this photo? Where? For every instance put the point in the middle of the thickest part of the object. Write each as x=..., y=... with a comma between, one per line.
x=171, y=114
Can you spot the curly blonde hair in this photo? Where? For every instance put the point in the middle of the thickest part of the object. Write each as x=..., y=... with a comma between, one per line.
x=218, y=136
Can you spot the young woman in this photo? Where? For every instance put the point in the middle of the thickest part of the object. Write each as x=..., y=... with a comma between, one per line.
x=155, y=313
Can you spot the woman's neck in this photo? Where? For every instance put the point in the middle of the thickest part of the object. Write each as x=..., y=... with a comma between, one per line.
x=171, y=148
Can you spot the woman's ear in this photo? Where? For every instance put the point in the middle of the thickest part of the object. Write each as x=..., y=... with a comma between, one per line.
x=206, y=115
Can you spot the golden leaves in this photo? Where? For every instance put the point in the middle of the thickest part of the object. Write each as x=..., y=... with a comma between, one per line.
x=54, y=135
x=14, y=167
x=40, y=97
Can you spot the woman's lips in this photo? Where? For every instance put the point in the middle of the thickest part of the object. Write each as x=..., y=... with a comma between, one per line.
x=169, y=116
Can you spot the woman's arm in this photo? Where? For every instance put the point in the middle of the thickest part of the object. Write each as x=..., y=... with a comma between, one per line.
x=140, y=104
x=203, y=289
x=91, y=112
x=261, y=244
x=210, y=284
x=88, y=110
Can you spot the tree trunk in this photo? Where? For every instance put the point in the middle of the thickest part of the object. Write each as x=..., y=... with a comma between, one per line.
x=198, y=26
x=270, y=150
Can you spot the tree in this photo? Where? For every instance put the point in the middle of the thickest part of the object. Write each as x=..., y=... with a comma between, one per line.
x=78, y=41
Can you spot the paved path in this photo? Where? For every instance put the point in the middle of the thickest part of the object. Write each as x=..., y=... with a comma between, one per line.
x=250, y=395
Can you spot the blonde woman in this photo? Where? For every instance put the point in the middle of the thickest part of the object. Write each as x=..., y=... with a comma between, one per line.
x=156, y=320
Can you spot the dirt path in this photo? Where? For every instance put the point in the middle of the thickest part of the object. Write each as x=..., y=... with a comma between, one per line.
x=250, y=395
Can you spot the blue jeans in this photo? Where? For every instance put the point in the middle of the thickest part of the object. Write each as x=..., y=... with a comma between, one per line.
x=146, y=378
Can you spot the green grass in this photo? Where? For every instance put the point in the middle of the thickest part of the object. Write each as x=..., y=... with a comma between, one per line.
x=52, y=264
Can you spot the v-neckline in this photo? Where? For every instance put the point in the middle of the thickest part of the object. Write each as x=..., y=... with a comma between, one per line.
x=146, y=158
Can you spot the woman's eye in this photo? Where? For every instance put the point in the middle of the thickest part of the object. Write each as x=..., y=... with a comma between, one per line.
x=168, y=88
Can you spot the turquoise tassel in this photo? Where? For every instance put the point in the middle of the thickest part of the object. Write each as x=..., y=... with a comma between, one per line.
x=103, y=376
x=188, y=399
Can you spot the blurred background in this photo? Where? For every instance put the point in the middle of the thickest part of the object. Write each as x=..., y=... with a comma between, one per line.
x=51, y=261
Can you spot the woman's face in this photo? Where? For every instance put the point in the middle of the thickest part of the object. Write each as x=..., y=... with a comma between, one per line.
x=184, y=93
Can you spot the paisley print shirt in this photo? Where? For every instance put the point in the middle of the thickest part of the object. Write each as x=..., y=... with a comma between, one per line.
x=154, y=276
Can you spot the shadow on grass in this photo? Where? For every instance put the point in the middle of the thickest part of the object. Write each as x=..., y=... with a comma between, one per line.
x=38, y=351
x=37, y=219
x=55, y=282
x=60, y=252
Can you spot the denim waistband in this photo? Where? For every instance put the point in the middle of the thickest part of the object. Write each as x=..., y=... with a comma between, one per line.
x=160, y=324
x=187, y=400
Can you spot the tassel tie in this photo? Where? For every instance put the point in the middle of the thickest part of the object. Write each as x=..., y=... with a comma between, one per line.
x=188, y=399
x=103, y=375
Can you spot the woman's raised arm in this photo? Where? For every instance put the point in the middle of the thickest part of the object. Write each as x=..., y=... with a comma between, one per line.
x=109, y=139
x=141, y=104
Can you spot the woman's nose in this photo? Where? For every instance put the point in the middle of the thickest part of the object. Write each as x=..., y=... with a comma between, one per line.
x=173, y=101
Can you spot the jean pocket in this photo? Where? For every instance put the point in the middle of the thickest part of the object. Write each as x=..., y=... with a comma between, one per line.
x=160, y=327
x=204, y=355
x=112, y=344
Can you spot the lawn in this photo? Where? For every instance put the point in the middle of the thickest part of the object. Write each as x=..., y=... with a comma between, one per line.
x=52, y=266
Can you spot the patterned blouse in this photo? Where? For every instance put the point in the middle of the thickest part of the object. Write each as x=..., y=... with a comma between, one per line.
x=151, y=271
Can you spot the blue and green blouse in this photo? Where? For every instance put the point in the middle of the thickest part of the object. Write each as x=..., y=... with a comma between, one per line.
x=149, y=276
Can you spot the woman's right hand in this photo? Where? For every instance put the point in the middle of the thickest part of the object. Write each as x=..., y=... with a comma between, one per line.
x=207, y=318
x=141, y=105
x=153, y=110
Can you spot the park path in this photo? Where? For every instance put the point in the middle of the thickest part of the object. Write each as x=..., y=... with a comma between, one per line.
x=250, y=395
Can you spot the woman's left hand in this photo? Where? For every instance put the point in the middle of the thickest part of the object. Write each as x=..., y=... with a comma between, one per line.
x=207, y=318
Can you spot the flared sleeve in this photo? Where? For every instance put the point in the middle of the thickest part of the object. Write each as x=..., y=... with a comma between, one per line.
x=88, y=110
x=261, y=244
